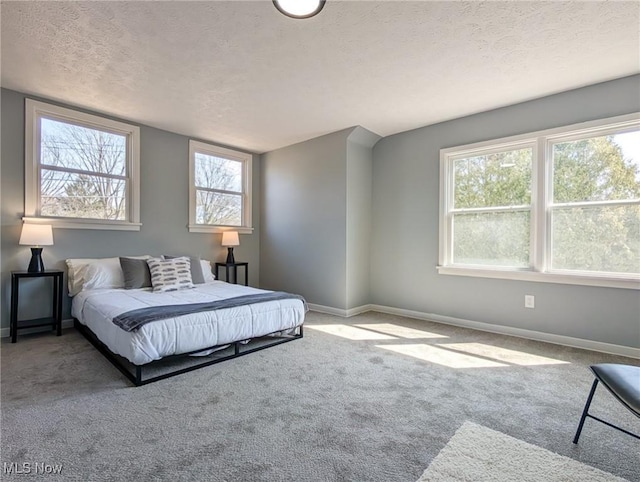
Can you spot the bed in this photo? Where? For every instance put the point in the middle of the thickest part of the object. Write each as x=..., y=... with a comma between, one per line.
x=212, y=335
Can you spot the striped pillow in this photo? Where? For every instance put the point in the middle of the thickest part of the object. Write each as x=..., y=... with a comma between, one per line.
x=170, y=274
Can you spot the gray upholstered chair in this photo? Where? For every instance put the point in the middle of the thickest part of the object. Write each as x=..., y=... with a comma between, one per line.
x=623, y=381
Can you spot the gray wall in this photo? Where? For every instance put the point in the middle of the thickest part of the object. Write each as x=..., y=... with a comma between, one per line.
x=164, y=212
x=359, y=185
x=404, y=249
x=316, y=218
x=303, y=239
x=311, y=201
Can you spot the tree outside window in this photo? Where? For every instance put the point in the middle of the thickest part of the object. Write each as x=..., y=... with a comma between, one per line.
x=81, y=170
x=596, y=210
x=565, y=201
x=220, y=188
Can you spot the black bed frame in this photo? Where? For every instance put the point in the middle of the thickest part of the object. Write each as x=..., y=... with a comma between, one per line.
x=137, y=378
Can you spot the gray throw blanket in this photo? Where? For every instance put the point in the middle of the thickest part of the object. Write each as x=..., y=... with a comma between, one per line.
x=134, y=319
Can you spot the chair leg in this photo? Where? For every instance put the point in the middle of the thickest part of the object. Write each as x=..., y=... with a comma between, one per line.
x=585, y=412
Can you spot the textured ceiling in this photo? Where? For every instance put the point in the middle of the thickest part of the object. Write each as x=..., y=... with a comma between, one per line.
x=240, y=73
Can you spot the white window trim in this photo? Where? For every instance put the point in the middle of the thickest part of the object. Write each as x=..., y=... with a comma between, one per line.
x=36, y=109
x=247, y=169
x=541, y=205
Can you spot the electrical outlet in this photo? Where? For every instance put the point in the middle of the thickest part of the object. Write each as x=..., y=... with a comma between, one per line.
x=529, y=301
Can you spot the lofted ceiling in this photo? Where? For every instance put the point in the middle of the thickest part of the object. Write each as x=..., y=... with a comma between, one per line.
x=240, y=73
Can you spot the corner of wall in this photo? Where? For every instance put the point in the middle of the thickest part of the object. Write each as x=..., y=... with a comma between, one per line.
x=363, y=136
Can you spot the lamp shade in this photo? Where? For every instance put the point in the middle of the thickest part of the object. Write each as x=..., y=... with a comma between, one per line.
x=230, y=238
x=36, y=235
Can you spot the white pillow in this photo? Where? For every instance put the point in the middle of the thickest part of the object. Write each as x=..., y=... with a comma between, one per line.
x=95, y=273
x=76, y=273
x=104, y=273
x=170, y=274
x=206, y=271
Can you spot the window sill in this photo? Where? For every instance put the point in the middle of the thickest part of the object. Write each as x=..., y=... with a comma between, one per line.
x=84, y=224
x=199, y=228
x=559, y=278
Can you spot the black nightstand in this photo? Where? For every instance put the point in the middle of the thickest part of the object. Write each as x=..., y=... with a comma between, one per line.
x=234, y=268
x=54, y=321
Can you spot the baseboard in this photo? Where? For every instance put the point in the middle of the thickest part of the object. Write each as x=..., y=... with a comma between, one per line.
x=511, y=331
x=449, y=320
x=330, y=310
x=4, y=332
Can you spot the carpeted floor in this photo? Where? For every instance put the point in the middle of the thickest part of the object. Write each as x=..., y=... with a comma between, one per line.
x=346, y=403
x=476, y=454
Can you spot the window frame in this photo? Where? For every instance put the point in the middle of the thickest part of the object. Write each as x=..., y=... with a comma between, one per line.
x=541, y=206
x=480, y=151
x=246, y=159
x=36, y=110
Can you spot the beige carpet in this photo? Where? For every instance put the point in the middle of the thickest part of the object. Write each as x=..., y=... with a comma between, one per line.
x=476, y=453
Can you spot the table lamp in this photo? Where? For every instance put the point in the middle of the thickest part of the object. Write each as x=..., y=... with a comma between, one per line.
x=36, y=235
x=230, y=239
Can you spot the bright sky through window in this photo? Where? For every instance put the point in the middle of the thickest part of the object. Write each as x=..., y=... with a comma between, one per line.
x=83, y=172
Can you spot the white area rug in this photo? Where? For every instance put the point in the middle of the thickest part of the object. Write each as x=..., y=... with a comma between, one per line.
x=476, y=454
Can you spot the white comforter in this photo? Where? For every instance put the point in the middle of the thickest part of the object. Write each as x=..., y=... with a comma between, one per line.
x=97, y=308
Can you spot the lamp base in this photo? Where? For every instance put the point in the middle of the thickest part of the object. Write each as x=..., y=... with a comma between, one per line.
x=36, y=265
x=230, y=258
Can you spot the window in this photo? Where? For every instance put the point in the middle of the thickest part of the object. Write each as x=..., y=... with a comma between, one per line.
x=81, y=170
x=491, y=207
x=220, y=189
x=561, y=206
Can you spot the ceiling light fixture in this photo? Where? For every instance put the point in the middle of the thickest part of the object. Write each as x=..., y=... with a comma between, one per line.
x=299, y=8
